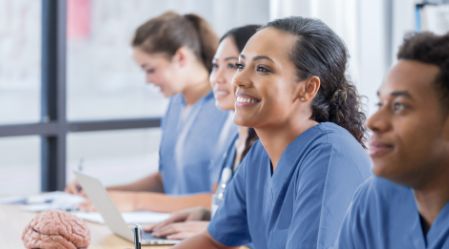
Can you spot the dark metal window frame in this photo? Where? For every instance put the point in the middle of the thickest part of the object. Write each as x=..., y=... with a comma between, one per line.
x=54, y=127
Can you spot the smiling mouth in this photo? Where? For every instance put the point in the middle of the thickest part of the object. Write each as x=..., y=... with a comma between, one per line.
x=221, y=93
x=246, y=101
x=379, y=149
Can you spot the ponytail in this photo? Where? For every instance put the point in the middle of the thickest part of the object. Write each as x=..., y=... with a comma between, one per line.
x=208, y=40
x=170, y=31
x=341, y=106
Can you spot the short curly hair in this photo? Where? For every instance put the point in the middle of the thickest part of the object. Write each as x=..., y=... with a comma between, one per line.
x=430, y=48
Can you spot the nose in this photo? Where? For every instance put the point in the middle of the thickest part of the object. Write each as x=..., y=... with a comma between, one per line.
x=148, y=79
x=241, y=79
x=379, y=121
x=218, y=77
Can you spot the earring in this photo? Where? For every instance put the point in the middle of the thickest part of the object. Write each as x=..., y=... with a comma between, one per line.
x=302, y=99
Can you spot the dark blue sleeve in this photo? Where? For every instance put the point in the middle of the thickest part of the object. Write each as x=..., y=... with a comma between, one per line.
x=229, y=225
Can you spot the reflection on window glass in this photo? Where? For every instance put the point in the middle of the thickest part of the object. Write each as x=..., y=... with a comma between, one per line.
x=19, y=166
x=103, y=80
x=114, y=156
x=19, y=60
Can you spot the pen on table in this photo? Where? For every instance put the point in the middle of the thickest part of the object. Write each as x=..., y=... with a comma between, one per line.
x=80, y=169
x=136, y=231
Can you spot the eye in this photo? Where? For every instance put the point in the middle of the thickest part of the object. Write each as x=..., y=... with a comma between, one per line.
x=150, y=70
x=262, y=69
x=232, y=66
x=399, y=107
x=214, y=66
x=379, y=104
x=239, y=66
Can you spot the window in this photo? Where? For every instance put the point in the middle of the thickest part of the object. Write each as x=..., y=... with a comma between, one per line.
x=19, y=61
x=69, y=89
x=19, y=166
x=124, y=155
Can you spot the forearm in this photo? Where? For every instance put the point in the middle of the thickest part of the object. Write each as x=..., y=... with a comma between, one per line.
x=166, y=203
x=151, y=183
x=203, y=241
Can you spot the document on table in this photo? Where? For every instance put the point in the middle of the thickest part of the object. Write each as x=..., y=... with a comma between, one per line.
x=57, y=200
x=143, y=217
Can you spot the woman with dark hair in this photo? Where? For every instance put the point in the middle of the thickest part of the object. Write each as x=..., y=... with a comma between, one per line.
x=190, y=222
x=176, y=51
x=294, y=186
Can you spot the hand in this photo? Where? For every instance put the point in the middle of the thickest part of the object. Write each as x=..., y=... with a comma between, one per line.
x=182, y=230
x=87, y=206
x=74, y=188
x=191, y=214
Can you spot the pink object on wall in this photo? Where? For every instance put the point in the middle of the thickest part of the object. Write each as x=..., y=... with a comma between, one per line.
x=56, y=230
x=78, y=19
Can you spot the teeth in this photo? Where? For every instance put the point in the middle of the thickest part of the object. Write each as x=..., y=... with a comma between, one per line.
x=246, y=100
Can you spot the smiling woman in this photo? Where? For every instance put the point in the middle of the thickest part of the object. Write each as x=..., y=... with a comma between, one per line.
x=293, y=188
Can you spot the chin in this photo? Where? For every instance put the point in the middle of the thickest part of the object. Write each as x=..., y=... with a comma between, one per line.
x=382, y=170
x=241, y=121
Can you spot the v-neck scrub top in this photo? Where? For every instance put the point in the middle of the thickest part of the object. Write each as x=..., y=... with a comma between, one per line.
x=303, y=202
x=190, y=142
x=384, y=215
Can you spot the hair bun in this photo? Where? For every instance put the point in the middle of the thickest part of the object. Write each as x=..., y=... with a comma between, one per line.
x=56, y=230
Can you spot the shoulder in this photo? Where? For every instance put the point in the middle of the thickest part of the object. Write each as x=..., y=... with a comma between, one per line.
x=376, y=191
x=337, y=135
x=345, y=150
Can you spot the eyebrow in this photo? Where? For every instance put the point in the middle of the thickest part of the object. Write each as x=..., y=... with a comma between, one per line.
x=258, y=57
x=404, y=94
x=227, y=58
x=231, y=58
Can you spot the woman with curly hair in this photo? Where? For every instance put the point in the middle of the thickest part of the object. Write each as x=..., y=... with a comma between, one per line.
x=294, y=186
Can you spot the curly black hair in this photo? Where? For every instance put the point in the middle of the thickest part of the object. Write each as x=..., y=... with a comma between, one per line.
x=320, y=52
x=430, y=48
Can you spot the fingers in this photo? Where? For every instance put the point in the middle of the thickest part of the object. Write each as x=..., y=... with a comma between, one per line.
x=161, y=225
x=182, y=235
x=168, y=230
x=87, y=206
x=74, y=188
x=181, y=230
x=176, y=217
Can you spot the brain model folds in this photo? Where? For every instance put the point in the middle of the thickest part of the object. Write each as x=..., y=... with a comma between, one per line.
x=56, y=230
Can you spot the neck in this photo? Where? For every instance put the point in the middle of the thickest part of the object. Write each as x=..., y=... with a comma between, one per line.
x=432, y=197
x=197, y=86
x=243, y=134
x=276, y=139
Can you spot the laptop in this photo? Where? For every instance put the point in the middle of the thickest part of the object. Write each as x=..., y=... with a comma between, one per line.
x=112, y=217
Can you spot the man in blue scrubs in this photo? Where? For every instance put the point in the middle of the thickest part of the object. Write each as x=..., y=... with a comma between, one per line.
x=407, y=205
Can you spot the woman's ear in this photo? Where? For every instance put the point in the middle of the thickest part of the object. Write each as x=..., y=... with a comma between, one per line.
x=308, y=89
x=180, y=57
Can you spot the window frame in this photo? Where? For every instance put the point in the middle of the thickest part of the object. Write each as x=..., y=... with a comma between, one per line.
x=53, y=126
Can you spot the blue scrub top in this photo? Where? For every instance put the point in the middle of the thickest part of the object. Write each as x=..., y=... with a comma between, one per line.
x=189, y=145
x=300, y=205
x=384, y=215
